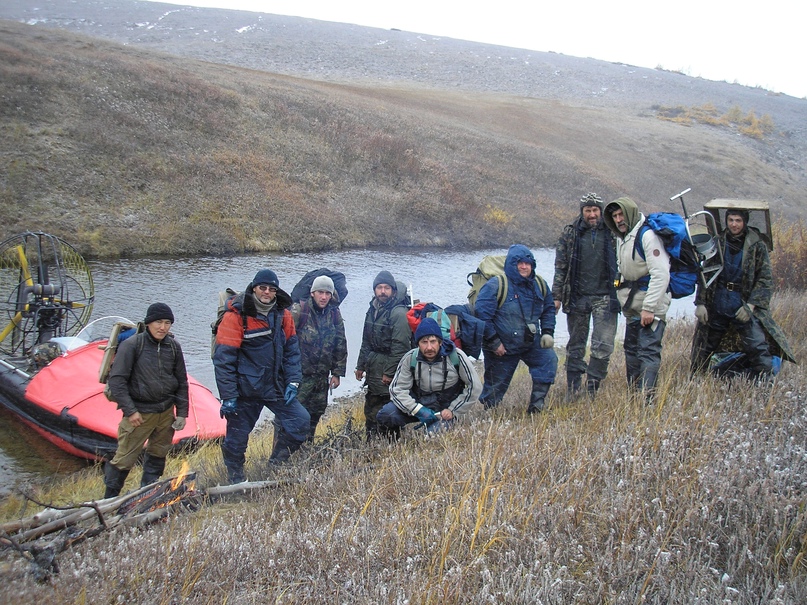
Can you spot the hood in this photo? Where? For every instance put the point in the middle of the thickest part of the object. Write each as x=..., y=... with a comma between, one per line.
x=629, y=209
x=516, y=253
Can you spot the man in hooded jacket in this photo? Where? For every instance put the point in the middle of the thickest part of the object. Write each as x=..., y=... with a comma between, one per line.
x=521, y=329
x=585, y=270
x=257, y=364
x=739, y=299
x=385, y=339
x=433, y=383
x=642, y=292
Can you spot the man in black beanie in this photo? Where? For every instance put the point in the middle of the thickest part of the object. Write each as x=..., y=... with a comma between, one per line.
x=385, y=339
x=149, y=382
x=585, y=270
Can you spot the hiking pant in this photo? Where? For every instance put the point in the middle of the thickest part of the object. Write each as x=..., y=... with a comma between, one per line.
x=156, y=429
x=643, y=353
x=542, y=363
x=313, y=394
x=752, y=339
x=293, y=419
x=372, y=406
x=391, y=417
x=588, y=308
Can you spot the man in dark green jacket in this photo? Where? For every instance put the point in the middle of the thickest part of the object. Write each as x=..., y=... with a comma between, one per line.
x=740, y=300
x=386, y=338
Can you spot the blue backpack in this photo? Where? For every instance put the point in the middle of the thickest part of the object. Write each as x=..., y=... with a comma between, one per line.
x=684, y=259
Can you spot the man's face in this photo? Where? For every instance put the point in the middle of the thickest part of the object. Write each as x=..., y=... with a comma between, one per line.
x=429, y=347
x=524, y=268
x=265, y=293
x=159, y=329
x=321, y=298
x=383, y=292
x=619, y=220
x=591, y=214
x=735, y=224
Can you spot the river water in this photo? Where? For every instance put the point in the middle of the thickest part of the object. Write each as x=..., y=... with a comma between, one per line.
x=190, y=286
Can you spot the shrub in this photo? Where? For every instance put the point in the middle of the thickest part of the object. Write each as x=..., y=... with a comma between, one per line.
x=789, y=257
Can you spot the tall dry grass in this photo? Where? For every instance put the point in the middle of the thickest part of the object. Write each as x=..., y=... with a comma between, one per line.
x=699, y=498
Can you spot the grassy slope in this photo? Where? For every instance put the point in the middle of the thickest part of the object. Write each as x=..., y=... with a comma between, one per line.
x=125, y=151
x=699, y=498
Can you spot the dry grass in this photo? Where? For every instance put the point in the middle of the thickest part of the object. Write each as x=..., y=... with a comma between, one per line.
x=128, y=152
x=697, y=499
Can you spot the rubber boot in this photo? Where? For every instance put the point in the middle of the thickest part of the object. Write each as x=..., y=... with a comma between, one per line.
x=153, y=468
x=574, y=384
x=234, y=465
x=592, y=386
x=284, y=447
x=539, y=392
x=114, y=478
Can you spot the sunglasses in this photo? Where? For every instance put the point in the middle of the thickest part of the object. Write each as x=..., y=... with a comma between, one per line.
x=263, y=288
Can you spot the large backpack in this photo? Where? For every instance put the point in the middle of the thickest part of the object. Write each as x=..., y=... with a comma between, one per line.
x=224, y=297
x=493, y=266
x=684, y=259
x=302, y=290
x=448, y=323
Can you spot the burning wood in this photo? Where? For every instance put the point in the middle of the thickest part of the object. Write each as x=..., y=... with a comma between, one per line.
x=77, y=523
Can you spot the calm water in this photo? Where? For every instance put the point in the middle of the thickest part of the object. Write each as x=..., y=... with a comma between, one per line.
x=191, y=286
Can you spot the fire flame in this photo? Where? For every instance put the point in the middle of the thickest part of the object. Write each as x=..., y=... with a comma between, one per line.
x=183, y=471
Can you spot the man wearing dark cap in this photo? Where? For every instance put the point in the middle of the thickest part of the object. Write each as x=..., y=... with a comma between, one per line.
x=433, y=383
x=739, y=299
x=257, y=364
x=585, y=270
x=385, y=339
x=149, y=382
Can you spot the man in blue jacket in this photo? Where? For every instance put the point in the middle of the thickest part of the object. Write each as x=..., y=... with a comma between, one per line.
x=521, y=329
x=257, y=363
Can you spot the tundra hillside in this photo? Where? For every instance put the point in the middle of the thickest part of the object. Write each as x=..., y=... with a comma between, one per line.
x=127, y=151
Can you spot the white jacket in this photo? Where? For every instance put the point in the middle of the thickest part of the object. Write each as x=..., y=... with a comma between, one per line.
x=632, y=267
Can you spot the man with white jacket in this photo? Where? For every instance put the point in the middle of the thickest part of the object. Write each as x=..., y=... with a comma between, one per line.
x=642, y=292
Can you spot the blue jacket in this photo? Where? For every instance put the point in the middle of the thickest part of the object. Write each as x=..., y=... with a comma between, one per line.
x=256, y=356
x=524, y=305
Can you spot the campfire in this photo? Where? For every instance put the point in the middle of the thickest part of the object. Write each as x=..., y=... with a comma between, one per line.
x=41, y=537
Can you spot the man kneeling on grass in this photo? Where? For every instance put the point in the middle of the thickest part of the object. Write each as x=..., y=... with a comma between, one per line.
x=433, y=382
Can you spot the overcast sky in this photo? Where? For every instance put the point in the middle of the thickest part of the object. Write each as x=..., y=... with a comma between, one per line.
x=756, y=44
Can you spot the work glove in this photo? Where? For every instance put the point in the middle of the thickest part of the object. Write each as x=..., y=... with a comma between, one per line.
x=744, y=313
x=702, y=314
x=228, y=408
x=291, y=393
x=179, y=423
x=426, y=416
x=547, y=341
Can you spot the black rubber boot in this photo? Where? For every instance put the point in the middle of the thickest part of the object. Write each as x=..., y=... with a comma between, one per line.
x=592, y=386
x=574, y=384
x=114, y=478
x=284, y=447
x=539, y=393
x=152, y=469
x=234, y=465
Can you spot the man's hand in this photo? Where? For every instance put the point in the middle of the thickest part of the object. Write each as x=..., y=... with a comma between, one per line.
x=744, y=313
x=702, y=314
x=426, y=416
x=291, y=393
x=557, y=305
x=359, y=374
x=446, y=414
x=500, y=350
x=135, y=419
x=386, y=380
x=547, y=341
x=335, y=382
x=179, y=423
x=229, y=408
x=647, y=318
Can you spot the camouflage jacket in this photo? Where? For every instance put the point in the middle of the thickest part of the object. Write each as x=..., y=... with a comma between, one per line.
x=321, y=333
x=756, y=289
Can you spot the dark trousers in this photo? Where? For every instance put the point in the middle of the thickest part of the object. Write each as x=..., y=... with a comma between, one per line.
x=542, y=363
x=598, y=309
x=643, y=353
x=752, y=339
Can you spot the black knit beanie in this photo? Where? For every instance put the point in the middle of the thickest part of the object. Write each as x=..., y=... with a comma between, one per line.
x=385, y=277
x=158, y=311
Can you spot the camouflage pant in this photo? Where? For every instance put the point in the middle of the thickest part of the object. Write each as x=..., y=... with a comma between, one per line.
x=313, y=394
x=598, y=309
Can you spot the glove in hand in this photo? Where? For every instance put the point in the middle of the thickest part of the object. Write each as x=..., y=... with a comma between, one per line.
x=291, y=393
x=547, y=341
x=426, y=416
x=702, y=314
x=744, y=313
x=228, y=408
x=179, y=423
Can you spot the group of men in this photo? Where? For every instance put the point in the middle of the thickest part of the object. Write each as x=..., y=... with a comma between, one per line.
x=272, y=352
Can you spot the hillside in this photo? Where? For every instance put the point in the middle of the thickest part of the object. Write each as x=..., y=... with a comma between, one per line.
x=128, y=150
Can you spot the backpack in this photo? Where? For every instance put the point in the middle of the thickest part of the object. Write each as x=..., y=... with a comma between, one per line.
x=685, y=265
x=448, y=323
x=302, y=290
x=224, y=298
x=493, y=266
